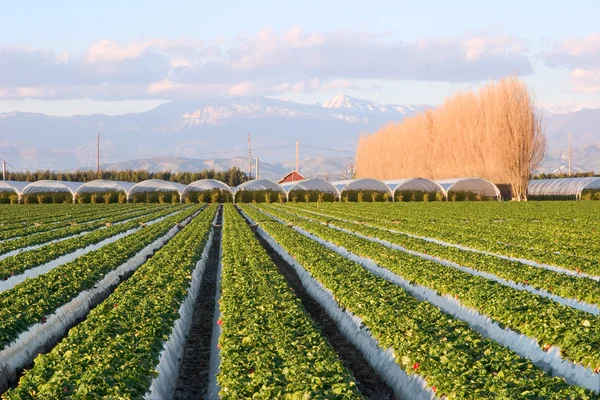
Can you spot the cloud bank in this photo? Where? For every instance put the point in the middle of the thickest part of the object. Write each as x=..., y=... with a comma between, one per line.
x=581, y=57
x=264, y=63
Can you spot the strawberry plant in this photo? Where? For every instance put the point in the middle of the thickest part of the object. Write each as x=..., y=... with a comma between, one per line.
x=269, y=347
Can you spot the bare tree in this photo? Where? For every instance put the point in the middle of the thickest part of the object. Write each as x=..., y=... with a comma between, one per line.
x=494, y=134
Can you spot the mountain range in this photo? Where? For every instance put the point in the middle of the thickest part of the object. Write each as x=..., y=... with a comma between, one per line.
x=212, y=133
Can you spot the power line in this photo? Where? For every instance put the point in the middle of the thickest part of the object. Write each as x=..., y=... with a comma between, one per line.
x=72, y=153
x=328, y=148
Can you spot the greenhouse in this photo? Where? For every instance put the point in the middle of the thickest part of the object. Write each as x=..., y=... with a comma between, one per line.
x=469, y=189
x=12, y=187
x=205, y=189
x=206, y=184
x=315, y=189
x=364, y=189
x=152, y=190
x=587, y=188
x=416, y=189
x=104, y=185
x=259, y=190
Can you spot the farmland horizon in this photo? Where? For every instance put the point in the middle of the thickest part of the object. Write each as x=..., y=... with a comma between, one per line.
x=300, y=200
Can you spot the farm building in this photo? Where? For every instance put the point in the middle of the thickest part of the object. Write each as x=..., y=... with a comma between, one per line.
x=293, y=176
x=565, y=188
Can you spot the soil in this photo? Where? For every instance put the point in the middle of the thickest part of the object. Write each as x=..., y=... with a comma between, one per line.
x=369, y=382
x=193, y=373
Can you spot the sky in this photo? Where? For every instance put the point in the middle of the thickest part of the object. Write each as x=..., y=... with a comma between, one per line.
x=115, y=57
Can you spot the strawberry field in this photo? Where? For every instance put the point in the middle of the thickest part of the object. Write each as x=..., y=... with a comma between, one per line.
x=300, y=301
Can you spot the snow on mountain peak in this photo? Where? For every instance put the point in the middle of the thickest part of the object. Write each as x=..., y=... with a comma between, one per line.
x=347, y=102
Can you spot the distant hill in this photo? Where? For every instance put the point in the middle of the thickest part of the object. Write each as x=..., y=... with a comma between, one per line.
x=195, y=135
x=318, y=167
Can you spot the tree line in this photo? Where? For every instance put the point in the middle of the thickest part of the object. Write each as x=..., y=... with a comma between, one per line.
x=232, y=177
x=494, y=133
x=586, y=174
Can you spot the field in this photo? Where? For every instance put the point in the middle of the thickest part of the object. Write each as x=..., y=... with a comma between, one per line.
x=300, y=300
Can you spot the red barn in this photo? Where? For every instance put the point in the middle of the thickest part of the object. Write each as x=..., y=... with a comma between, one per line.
x=292, y=177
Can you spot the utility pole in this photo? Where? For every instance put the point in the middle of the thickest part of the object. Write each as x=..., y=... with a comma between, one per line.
x=98, y=157
x=297, y=171
x=569, y=153
x=3, y=170
x=256, y=173
x=249, y=159
x=327, y=176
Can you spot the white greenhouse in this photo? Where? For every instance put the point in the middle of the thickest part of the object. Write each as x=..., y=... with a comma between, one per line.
x=96, y=186
x=354, y=189
x=422, y=185
x=207, y=184
x=314, y=185
x=563, y=188
x=364, y=189
x=476, y=186
x=259, y=190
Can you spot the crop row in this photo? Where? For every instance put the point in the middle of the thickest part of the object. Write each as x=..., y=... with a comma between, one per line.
x=560, y=246
x=20, y=217
x=269, y=347
x=567, y=286
x=115, y=351
x=26, y=260
x=80, y=219
x=454, y=360
x=54, y=234
x=575, y=332
x=32, y=300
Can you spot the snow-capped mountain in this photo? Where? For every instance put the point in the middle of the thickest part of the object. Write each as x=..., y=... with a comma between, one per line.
x=370, y=107
x=549, y=111
x=211, y=129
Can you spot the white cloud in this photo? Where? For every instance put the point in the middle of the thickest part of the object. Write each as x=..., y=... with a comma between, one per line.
x=586, y=80
x=265, y=63
x=581, y=56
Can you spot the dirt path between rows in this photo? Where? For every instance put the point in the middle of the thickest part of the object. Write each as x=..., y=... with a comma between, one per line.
x=369, y=382
x=193, y=373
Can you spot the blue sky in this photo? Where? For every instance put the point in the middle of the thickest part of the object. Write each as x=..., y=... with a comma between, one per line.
x=78, y=57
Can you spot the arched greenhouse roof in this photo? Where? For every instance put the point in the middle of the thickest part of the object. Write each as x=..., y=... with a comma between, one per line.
x=562, y=186
x=156, y=185
x=370, y=184
x=13, y=186
x=474, y=185
x=316, y=184
x=260, y=184
x=422, y=184
x=48, y=186
x=207, y=184
x=105, y=185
